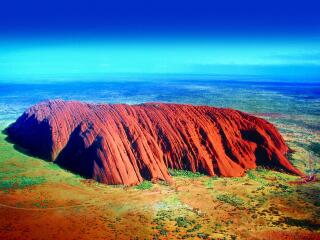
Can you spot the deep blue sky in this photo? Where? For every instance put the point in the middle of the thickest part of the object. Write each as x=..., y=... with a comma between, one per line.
x=76, y=38
x=160, y=16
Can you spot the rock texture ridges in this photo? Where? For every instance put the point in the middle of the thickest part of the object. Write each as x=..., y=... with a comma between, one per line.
x=124, y=144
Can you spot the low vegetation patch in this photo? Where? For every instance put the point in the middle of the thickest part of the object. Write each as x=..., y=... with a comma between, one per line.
x=145, y=185
x=20, y=182
x=281, y=190
x=184, y=222
x=254, y=175
x=184, y=173
x=160, y=221
x=172, y=200
x=194, y=228
x=314, y=147
x=209, y=182
x=231, y=199
x=163, y=232
x=53, y=166
x=203, y=235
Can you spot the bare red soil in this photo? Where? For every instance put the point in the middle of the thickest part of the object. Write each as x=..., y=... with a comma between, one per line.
x=124, y=144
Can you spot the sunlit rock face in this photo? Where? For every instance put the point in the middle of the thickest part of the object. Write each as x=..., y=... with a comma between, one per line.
x=124, y=144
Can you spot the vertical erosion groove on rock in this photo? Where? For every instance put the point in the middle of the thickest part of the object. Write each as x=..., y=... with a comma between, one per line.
x=124, y=144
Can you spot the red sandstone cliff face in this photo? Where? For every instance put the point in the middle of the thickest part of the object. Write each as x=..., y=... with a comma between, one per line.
x=124, y=144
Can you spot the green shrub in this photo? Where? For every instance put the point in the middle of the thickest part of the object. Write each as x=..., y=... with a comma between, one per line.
x=144, y=185
x=184, y=222
x=184, y=173
x=252, y=175
x=163, y=232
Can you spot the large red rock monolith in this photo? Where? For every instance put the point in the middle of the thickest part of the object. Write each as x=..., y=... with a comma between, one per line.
x=124, y=144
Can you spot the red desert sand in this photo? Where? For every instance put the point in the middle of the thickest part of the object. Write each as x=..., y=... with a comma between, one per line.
x=125, y=144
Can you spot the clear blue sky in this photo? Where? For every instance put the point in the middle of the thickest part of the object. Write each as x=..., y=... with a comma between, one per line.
x=94, y=39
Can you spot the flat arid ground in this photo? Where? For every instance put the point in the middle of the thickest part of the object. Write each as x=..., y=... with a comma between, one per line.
x=39, y=200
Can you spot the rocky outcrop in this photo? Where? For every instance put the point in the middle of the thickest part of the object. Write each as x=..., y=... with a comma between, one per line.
x=124, y=144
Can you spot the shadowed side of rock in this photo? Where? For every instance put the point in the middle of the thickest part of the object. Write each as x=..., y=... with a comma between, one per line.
x=124, y=144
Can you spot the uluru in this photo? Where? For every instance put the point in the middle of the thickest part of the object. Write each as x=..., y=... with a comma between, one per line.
x=125, y=144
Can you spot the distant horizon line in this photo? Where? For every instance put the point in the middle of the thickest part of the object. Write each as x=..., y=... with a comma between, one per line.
x=150, y=77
